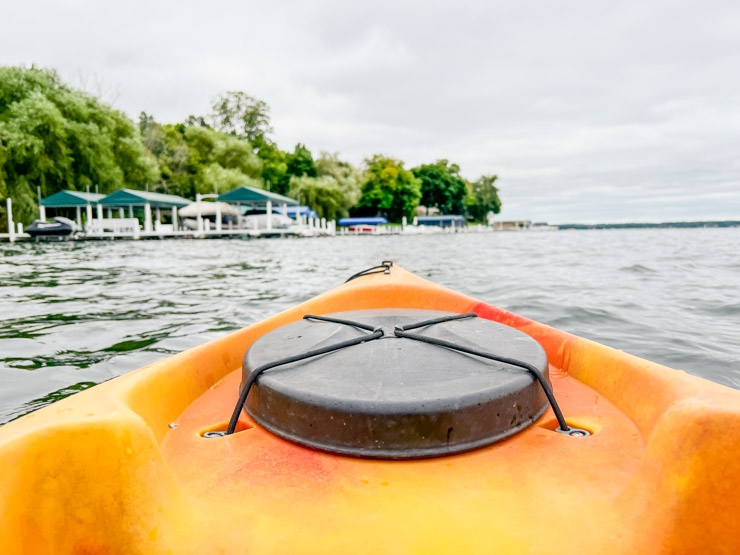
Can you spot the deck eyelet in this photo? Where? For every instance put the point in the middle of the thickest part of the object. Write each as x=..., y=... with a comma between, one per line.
x=572, y=431
x=219, y=430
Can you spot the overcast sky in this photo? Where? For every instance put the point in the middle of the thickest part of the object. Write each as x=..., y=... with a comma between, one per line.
x=588, y=111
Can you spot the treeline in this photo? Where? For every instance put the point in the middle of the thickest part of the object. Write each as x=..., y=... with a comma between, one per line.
x=54, y=137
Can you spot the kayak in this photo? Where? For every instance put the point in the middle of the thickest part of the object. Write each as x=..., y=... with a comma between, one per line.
x=485, y=431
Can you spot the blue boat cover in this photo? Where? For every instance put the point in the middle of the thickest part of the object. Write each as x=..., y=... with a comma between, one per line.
x=362, y=221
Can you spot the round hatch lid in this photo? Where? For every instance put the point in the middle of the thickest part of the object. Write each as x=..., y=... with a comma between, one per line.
x=395, y=397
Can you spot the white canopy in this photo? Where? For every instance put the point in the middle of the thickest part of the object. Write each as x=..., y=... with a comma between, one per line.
x=278, y=221
x=208, y=209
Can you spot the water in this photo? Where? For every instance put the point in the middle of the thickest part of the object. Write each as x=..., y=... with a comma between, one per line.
x=76, y=314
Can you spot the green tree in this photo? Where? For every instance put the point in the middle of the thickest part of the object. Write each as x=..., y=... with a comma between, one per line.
x=145, y=121
x=345, y=174
x=483, y=198
x=321, y=194
x=301, y=163
x=237, y=113
x=197, y=159
x=233, y=153
x=442, y=187
x=388, y=189
x=55, y=138
x=274, y=165
x=207, y=146
x=167, y=143
x=216, y=178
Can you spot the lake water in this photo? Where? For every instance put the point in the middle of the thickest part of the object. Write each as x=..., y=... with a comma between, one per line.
x=76, y=314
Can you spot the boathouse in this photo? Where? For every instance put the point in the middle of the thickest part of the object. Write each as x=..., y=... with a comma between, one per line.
x=258, y=200
x=76, y=200
x=450, y=220
x=130, y=198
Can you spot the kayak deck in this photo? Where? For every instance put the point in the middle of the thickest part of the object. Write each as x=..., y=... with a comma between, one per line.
x=105, y=471
x=453, y=502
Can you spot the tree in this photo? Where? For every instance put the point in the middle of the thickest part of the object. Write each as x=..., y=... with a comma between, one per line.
x=145, y=121
x=442, y=187
x=484, y=197
x=300, y=162
x=216, y=178
x=346, y=175
x=274, y=165
x=388, y=189
x=333, y=192
x=167, y=143
x=207, y=146
x=196, y=159
x=237, y=113
x=55, y=138
x=322, y=194
x=233, y=153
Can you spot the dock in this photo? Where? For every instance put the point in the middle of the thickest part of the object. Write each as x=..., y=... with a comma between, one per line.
x=268, y=215
x=89, y=209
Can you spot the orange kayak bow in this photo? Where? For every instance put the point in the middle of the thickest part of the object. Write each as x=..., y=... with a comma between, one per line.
x=125, y=468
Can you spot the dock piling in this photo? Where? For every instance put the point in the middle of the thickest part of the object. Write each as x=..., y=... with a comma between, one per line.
x=42, y=208
x=11, y=230
x=147, y=218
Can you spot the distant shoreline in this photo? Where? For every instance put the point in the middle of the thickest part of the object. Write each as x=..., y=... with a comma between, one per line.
x=674, y=225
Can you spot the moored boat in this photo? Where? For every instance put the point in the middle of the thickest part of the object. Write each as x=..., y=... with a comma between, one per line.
x=628, y=456
x=58, y=227
x=363, y=225
x=209, y=211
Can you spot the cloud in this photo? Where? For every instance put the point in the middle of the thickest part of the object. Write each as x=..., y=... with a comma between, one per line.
x=587, y=111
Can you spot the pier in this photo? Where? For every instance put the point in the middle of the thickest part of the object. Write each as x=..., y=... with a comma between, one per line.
x=244, y=213
x=114, y=216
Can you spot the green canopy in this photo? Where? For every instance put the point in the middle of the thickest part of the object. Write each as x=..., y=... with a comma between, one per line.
x=130, y=197
x=70, y=199
x=250, y=195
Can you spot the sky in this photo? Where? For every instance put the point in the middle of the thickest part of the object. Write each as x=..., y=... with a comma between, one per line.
x=588, y=111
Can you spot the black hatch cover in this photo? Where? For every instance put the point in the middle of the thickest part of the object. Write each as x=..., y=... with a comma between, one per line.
x=395, y=397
